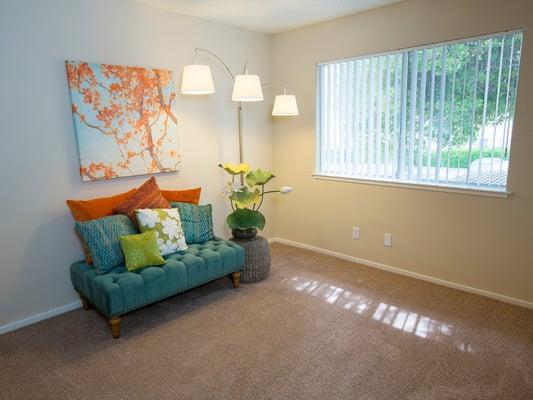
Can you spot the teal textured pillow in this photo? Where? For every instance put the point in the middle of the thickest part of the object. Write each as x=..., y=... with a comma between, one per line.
x=196, y=221
x=141, y=250
x=102, y=238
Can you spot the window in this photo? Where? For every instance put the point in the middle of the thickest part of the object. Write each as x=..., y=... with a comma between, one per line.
x=434, y=115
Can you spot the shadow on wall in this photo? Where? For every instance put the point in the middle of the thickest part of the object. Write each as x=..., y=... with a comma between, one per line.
x=43, y=270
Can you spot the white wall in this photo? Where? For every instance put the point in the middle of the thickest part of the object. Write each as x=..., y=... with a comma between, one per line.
x=481, y=242
x=38, y=155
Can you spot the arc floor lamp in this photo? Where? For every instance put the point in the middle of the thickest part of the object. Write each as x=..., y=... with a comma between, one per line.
x=198, y=80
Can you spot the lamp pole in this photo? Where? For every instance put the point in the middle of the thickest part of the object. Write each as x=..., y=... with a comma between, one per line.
x=239, y=126
x=239, y=104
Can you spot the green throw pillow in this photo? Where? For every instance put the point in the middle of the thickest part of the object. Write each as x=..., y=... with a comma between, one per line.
x=166, y=224
x=102, y=238
x=141, y=250
x=197, y=221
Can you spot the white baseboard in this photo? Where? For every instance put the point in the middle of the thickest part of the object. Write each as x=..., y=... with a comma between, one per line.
x=39, y=317
x=401, y=271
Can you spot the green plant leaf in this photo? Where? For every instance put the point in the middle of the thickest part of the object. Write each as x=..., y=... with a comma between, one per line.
x=235, y=169
x=259, y=177
x=243, y=218
x=245, y=197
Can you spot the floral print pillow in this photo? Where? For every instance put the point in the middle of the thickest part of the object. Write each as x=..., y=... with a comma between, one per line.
x=166, y=223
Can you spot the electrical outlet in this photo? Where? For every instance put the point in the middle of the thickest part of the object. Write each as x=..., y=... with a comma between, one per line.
x=355, y=233
x=387, y=239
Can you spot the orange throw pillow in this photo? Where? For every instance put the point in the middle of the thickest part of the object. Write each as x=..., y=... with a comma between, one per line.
x=85, y=210
x=184, y=196
x=147, y=196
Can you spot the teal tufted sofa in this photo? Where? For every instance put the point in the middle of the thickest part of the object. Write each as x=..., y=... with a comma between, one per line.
x=119, y=291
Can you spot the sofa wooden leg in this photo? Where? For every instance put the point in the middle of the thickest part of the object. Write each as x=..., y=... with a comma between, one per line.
x=235, y=278
x=85, y=302
x=115, y=326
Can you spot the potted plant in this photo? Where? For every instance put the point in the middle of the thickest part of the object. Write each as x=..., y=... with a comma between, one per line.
x=246, y=192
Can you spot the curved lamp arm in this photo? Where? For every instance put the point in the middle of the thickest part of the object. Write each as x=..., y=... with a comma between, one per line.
x=197, y=49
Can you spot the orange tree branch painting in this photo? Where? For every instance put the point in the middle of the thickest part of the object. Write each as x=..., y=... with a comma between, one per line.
x=124, y=119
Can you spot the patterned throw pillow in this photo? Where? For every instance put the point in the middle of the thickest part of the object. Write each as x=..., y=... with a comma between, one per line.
x=166, y=223
x=102, y=238
x=141, y=250
x=147, y=196
x=197, y=222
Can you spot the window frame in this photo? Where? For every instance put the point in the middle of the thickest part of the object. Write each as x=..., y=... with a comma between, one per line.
x=461, y=189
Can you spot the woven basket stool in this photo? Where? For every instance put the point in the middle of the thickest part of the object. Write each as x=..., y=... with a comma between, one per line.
x=257, y=258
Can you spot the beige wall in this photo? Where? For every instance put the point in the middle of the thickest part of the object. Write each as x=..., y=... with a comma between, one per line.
x=482, y=242
x=477, y=241
x=38, y=156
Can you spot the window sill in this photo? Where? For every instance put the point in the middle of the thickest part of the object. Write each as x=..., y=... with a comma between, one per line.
x=416, y=186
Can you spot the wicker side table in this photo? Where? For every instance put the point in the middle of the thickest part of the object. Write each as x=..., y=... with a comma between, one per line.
x=257, y=258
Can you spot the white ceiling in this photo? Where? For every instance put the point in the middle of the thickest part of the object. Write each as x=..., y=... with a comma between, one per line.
x=266, y=16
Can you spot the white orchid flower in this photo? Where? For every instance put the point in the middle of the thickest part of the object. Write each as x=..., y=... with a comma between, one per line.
x=285, y=189
x=231, y=188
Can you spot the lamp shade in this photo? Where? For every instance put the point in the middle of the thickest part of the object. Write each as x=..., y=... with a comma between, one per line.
x=247, y=88
x=285, y=105
x=197, y=79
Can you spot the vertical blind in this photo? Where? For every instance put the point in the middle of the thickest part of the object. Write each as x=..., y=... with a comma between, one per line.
x=437, y=115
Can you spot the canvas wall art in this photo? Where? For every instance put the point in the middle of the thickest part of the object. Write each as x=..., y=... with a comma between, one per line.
x=124, y=120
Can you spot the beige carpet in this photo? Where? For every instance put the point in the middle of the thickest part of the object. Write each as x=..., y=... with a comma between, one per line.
x=317, y=328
